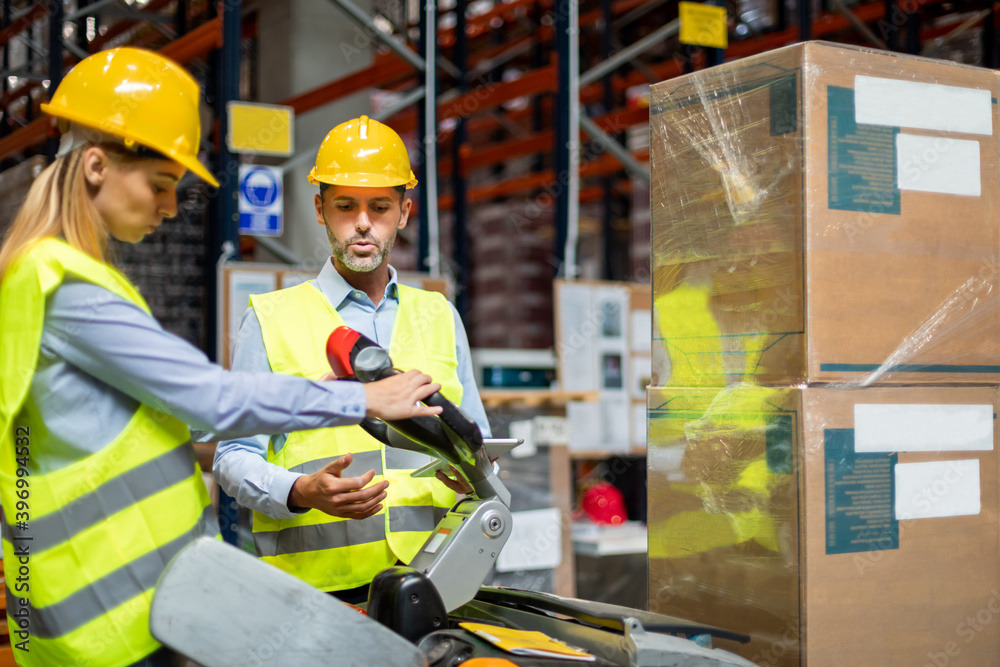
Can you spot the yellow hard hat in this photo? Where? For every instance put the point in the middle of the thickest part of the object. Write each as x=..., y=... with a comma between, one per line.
x=363, y=152
x=138, y=96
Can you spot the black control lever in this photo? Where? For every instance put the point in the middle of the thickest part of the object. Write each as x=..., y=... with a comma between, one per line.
x=453, y=435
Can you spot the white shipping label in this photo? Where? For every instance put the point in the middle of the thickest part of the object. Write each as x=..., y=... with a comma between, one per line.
x=928, y=106
x=937, y=489
x=937, y=164
x=923, y=428
x=535, y=541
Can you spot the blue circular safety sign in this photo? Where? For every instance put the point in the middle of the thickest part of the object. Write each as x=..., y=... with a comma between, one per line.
x=260, y=189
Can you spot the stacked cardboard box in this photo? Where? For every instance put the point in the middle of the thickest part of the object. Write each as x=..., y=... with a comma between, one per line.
x=822, y=455
x=510, y=304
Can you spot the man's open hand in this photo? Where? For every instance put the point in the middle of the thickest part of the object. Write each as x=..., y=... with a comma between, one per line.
x=346, y=497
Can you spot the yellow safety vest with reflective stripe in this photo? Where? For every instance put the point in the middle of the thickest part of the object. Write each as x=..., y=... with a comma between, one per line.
x=328, y=552
x=84, y=545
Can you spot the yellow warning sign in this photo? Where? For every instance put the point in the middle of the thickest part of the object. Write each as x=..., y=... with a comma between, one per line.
x=703, y=25
x=260, y=129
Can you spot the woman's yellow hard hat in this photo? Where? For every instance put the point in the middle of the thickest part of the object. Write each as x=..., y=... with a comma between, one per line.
x=363, y=152
x=140, y=97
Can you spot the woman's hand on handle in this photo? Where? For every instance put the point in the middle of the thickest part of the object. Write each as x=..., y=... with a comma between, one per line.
x=399, y=396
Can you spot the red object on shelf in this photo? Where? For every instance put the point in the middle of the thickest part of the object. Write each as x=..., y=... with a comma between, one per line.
x=603, y=503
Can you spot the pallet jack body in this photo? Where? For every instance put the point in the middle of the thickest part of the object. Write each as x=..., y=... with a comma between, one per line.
x=222, y=607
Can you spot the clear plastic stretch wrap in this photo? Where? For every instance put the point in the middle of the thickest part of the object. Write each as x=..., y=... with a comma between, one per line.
x=824, y=213
x=822, y=459
x=835, y=525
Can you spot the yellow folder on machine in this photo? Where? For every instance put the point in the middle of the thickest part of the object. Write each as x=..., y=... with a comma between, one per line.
x=525, y=642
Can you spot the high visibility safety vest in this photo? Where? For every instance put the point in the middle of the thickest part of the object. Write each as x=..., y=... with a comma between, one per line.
x=84, y=545
x=328, y=552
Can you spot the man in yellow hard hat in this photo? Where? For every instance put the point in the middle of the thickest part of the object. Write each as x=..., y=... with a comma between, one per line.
x=333, y=506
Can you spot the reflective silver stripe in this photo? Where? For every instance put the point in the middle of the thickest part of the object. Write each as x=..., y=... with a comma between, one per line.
x=361, y=463
x=339, y=534
x=414, y=518
x=111, y=497
x=439, y=513
x=335, y=535
x=108, y=592
x=402, y=459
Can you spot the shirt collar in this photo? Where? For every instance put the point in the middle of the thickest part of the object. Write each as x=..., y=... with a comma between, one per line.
x=337, y=290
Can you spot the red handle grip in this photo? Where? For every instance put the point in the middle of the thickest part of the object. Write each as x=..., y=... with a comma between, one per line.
x=338, y=351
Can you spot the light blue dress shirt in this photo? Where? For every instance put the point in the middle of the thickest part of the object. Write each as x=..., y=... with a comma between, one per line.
x=101, y=356
x=241, y=468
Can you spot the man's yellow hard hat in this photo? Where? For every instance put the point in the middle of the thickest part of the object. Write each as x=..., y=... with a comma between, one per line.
x=138, y=96
x=363, y=152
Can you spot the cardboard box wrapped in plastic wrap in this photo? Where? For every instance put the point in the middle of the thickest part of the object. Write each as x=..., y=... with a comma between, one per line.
x=836, y=526
x=826, y=213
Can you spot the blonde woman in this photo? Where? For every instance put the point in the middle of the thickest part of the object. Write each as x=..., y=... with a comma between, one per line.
x=98, y=482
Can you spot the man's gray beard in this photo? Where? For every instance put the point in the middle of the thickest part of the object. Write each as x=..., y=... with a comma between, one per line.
x=359, y=264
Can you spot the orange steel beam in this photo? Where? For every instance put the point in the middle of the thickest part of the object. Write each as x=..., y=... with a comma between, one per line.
x=499, y=93
x=534, y=82
x=115, y=30
x=613, y=123
x=663, y=71
x=373, y=76
x=507, y=150
x=37, y=12
x=10, y=95
x=587, y=195
x=197, y=45
x=184, y=52
x=194, y=44
x=601, y=166
x=18, y=26
x=542, y=80
x=24, y=138
x=496, y=153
